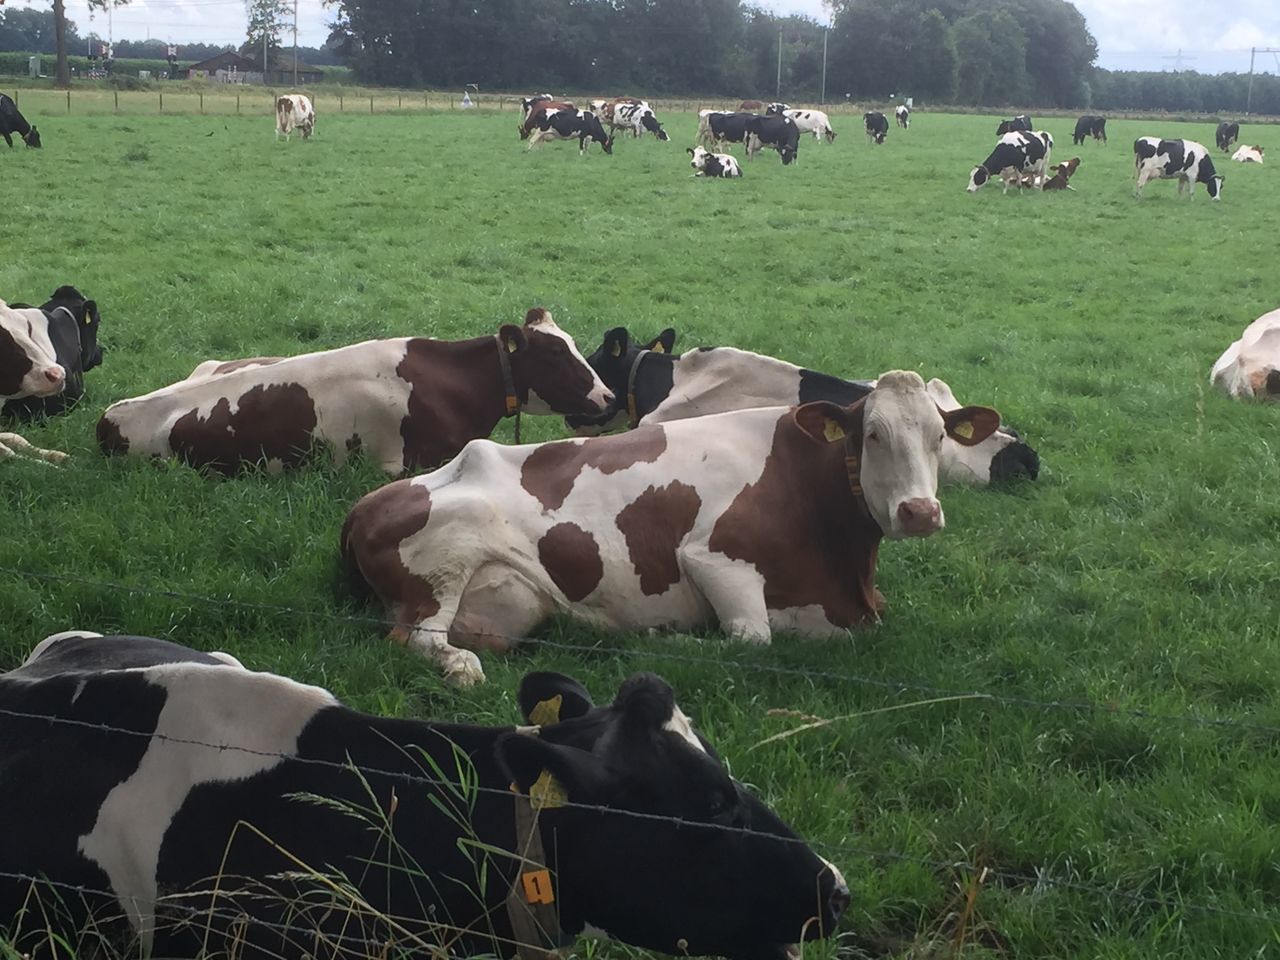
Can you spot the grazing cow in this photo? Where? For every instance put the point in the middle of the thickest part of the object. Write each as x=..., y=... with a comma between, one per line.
x=760, y=520
x=409, y=402
x=650, y=385
x=1090, y=126
x=713, y=164
x=28, y=368
x=718, y=129
x=815, y=122
x=1226, y=135
x=12, y=121
x=1248, y=155
x=1250, y=367
x=176, y=804
x=293, y=110
x=773, y=130
x=528, y=103
x=877, y=126
x=902, y=113
x=68, y=324
x=528, y=123
x=560, y=121
x=1186, y=161
x=1020, y=122
x=631, y=114
x=1015, y=155
x=1062, y=174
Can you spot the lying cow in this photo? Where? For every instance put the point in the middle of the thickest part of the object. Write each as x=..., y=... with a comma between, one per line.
x=1186, y=161
x=760, y=520
x=717, y=129
x=1062, y=174
x=713, y=164
x=815, y=122
x=12, y=121
x=1226, y=135
x=294, y=111
x=408, y=402
x=559, y=121
x=877, y=126
x=633, y=115
x=1021, y=122
x=902, y=113
x=1015, y=156
x=651, y=384
x=1250, y=367
x=1090, y=126
x=1247, y=154
x=28, y=368
x=175, y=804
x=68, y=324
x=773, y=130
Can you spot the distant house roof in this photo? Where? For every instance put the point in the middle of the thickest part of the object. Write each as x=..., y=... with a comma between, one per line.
x=225, y=61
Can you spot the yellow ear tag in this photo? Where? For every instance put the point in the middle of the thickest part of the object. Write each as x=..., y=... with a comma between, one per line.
x=658, y=348
x=87, y=319
x=617, y=349
x=832, y=431
x=963, y=430
x=546, y=712
x=511, y=346
x=537, y=886
x=546, y=793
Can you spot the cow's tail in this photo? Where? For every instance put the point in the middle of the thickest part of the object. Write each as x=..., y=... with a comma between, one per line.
x=283, y=106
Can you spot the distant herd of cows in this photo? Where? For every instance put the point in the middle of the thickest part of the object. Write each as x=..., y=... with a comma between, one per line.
x=711, y=487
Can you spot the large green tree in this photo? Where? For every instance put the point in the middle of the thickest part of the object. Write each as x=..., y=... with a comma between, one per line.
x=267, y=21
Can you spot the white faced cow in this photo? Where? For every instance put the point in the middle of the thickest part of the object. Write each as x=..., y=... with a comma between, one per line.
x=903, y=115
x=29, y=367
x=1250, y=367
x=294, y=111
x=759, y=520
x=165, y=802
x=1016, y=154
x=1186, y=161
x=408, y=402
x=630, y=114
x=709, y=164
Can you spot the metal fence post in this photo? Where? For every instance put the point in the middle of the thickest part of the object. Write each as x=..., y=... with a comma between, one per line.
x=117, y=101
x=237, y=104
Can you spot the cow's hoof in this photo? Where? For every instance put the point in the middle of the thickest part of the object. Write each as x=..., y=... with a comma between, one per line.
x=57, y=456
x=463, y=669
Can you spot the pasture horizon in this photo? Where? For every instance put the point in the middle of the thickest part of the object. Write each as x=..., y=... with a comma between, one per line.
x=1138, y=572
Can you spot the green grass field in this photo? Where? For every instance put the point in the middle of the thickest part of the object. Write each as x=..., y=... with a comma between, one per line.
x=1140, y=573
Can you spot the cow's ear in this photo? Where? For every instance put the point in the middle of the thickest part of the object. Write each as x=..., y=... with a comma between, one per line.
x=552, y=775
x=826, y=422
x=513, y=338
x=547, y=698
x=689, y=150
x=616, y=341
x=664, y=342
x=969, y=426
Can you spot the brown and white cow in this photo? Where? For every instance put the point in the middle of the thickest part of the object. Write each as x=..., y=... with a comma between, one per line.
x=760, y=520
x=294, y=110
x=1249, y=369
x=408, y=402
x=28, y=368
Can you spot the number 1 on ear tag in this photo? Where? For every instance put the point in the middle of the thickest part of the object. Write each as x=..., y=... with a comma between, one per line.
x=537, y=886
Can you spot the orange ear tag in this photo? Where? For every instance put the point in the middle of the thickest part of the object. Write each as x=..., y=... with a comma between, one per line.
x=658, y=348
x=537, y=886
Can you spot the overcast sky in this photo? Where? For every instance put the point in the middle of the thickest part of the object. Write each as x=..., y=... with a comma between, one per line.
x=1131, y=34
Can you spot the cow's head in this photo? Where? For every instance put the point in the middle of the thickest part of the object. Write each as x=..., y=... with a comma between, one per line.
x=731, y=879
x=977, y=177
x=28, y=367
x=32, y=138
x=650, y=123
x=613, y=361
x=897, y=432
x=699, y=154
x=551, y=376
x=1214, y=186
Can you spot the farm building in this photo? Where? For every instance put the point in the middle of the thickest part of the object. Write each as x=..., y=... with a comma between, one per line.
x=231, y=67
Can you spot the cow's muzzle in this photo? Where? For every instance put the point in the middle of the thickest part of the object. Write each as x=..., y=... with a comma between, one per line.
x=918, y=517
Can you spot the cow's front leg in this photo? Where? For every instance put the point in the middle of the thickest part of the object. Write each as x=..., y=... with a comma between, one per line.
x=12, y=445
x=430, y=638
x=735, y=591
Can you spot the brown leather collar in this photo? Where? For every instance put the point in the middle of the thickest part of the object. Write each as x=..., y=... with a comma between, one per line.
x=512, y=401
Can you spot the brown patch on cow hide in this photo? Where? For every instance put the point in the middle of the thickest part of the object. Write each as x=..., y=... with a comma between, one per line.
x=231, y=366
x=801, y=528
x=549, y=368
x=273, y=422
x=456, y=396
x=110, y=439
x=571, y=558
x=653, y=524
x=14, y=364
x=371, y=537
x=550, y=472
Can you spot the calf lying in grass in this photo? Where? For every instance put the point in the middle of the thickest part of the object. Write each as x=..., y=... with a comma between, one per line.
x=1062, y=173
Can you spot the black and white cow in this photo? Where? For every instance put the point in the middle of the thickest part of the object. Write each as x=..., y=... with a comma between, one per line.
x=709, y=164
x=903, y=115
x=69, y=324
x=717, y=128
x=1186, y=161
x=1226, y=135
x=877, y=126
x=12, y=121
x=1015, y=155
x=813, y=121
x=631, y=114
x=1090, y=126
x=174, y=804
x=773, y=130
x=1020, y=122
x=552, y=121
x=651, y=384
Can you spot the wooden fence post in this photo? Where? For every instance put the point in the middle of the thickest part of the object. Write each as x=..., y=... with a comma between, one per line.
x=371, y=104
x=237, y=104
x=399, y=102
x=117, y=101
x=68, y=101
x=162, y=101
x=202, y=103
x=339, y=103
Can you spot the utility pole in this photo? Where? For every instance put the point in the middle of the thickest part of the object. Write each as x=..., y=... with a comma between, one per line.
x=825, y=33
x=1253, y=53
x=777, y=95
x=295, y=44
